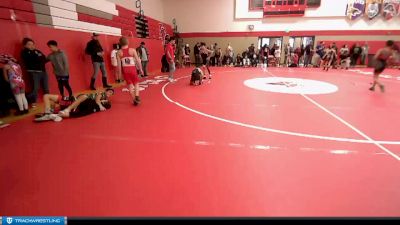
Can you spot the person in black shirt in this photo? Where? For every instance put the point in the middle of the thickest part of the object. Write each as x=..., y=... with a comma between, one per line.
x=308, y=54
x=196, y=51
x=34, y=62
x=252, y=50
x=356, y=52
x=94, y=49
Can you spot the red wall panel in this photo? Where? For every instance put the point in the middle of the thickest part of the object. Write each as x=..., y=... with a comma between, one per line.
x=73, y=43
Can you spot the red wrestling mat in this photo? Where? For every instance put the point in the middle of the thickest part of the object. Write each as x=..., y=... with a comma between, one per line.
x=220, y=149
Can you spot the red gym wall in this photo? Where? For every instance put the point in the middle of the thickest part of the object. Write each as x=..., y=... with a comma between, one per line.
x=73, y=42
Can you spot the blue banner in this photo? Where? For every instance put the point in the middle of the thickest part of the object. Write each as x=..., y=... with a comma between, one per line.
x=14, y=220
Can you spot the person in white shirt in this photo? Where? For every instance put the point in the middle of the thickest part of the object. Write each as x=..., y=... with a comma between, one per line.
x=364, y=54
x=229, y=55
x=277, y=55
x=114, y=63
x=345, y=57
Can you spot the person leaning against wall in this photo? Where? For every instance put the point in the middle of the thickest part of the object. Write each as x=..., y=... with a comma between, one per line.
x=144, y=57
x=34, y=62
x=94, y=49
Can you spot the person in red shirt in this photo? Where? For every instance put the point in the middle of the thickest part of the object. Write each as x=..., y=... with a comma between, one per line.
x=129, y=60
x=170, y=54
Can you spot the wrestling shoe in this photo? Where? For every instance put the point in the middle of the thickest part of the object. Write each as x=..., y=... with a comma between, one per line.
x=137, y=101
x=55, y=118
x=382, y=87
x=45, y=117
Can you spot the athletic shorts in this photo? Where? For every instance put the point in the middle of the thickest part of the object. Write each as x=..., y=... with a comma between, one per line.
x=172, y=67
x=380, y=66
x=131, y=76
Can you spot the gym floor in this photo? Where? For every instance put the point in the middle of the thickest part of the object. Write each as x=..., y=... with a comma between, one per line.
x=219, y=149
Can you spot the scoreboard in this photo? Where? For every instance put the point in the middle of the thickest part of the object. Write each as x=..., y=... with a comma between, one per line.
x=278, y=8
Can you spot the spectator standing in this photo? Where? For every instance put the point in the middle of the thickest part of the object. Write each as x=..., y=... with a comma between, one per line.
x=364, y=54
x=144, y=57
x=115, y=64
x=308, y=55
x=95, y=50
x=170, y=56
x=196, y=51
x=278, y=55
x=34, y=61
x=59, y=60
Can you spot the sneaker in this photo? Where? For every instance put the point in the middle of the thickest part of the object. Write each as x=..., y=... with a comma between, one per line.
x=372, y=89
x=382, y=88
x=63, y=113
x=136, y=102
x=55, y=118
x=34, y=105
x=19, y=113
x=45, y=117
x=2, y=124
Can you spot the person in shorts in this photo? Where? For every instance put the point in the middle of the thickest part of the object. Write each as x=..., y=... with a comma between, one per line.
x=130, y=61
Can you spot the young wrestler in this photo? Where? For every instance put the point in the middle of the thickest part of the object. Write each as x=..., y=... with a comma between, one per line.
x=129, y=60
x=197, y=76
x=52, y=105
x=381, y=58
x=87, y=104
x=205, y=56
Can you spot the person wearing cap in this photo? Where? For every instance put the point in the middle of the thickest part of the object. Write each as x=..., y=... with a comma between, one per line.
x=144, y=57
x=94, y=49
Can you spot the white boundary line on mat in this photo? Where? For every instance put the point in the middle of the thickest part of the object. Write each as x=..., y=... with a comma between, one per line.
x=367, y=139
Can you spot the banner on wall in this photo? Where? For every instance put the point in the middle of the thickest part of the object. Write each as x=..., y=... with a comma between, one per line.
x=373, y=8
x=355, y=9
x=390, y=8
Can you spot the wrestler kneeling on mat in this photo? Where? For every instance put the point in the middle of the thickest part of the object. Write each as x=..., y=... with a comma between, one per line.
x=197, y=76
x=84, y=105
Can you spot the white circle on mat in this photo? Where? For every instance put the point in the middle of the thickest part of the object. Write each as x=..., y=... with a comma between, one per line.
x=291, y=85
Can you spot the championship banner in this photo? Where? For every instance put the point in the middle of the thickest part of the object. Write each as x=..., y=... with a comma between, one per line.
x=373, y=8
x=355, y=9
x=390, y=8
